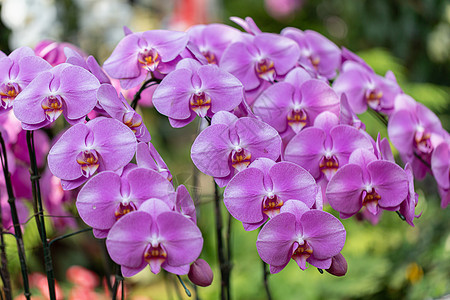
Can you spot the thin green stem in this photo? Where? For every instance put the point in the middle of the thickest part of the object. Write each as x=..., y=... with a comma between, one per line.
x=69, y=235
x=223, y=263
x=15, y=220
x=266, y=280
x=186, y=290
x=39, y=217
x=4, y=273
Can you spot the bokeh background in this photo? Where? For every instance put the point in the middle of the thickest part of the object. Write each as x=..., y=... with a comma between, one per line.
x=389, y=261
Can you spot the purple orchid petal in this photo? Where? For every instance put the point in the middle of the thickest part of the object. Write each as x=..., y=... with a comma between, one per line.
x=238, y=60
x=70, y=144
x=225, y=90
x=324, y=233
x=259, y=138
x=74, y=79
x=148, y=157
x=172, y=96
x=185, y=204
x=275, y=240
x=97, y=201
x=96, y=70
x=283, y=51
x=345, y=188
x=125, y=244
x=273, y=105
x=318, y=97
x=168, y=43
x=291, y=181
x=306, y=149
x=211, y=149
x=115, y=142
x=401, y=130
x=440, y=165
x=223, y=117
x=389, y=181
x=244, y=195
x=27, y=105
x=30, y=67
x=297, y=208
x=146, y=184
x=123, y=61
x=347, y=139
x=182, y=239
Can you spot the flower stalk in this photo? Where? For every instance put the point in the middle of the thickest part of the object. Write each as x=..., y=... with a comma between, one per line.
x=39, y=211
x=15, y=220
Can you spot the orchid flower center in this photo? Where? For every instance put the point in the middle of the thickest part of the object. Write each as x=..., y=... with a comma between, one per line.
x=200, y=103
x=370, y=200
x=132, y=120
x=329, y=166
x=210, y=57
x=240, y=158
x=149, y=59
x=315, y=60
x=53, y=107
x=373, y=98
x=422, y=142
x=155, y=256
x=88, y=160
x=272, y=205
x=8, y=92
x=302, y=253
x=297, y=119
x=123, y=209
x=265, y=69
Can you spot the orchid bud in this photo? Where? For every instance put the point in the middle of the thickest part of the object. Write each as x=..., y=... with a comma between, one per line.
x=338, y=265
x=200, y=273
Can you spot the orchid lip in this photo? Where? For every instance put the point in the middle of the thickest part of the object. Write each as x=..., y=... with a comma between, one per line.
x=124, y=208
x=149, y=59
x=52, y=106
x=240, y=158
x=265, y=69
x=272, y=205
x=200, y=103
x=89, y=162
x=8, y=92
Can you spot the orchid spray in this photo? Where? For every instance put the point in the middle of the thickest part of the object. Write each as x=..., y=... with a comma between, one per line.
x=279, y=133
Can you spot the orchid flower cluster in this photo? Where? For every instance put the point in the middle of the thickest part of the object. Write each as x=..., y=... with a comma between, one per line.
x=281, y=136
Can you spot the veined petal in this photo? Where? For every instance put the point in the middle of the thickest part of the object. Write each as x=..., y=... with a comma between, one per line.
x=27, y=105
x=276, y=238
x=345, y=188
x=244, y=195
x=389, y=181
x=291, y=181
x=115, y=142
x=146, y=184
x=171, y=97
x=274, y=103
x=123, y=61
x=238, y=60
x=211, y=150
x=347, y=139
x=125, y=244
x=306, y=149
x=323, y=232
x=168, y=43
x=78, y=87
x=225, y=90
x=62, y=160
x=182, y=239
x=98, y=200
x=283, y=51
x=259, y=138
